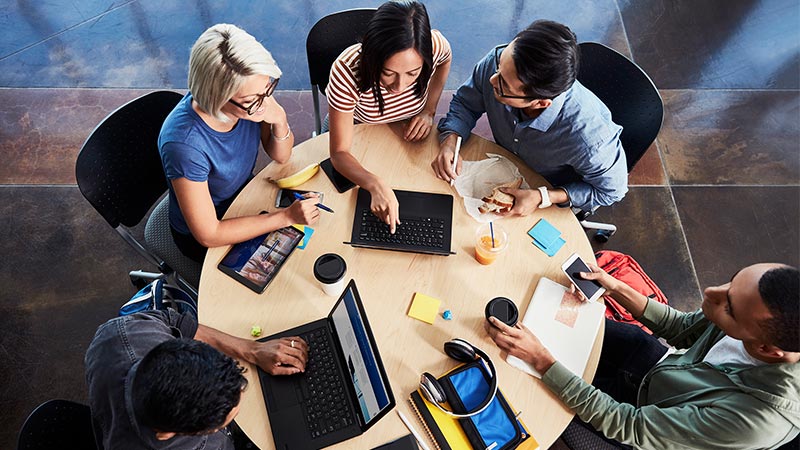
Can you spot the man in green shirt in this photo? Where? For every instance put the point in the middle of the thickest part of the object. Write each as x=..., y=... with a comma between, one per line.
x=737, y=385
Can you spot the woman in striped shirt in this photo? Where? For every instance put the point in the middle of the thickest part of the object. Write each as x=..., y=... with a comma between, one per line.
x=396, y=73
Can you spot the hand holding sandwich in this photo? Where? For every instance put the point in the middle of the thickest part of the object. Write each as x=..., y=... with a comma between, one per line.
x=526, y=201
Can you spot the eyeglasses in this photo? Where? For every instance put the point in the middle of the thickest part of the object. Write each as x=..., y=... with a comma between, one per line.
x=497, y=52
x=255, y=104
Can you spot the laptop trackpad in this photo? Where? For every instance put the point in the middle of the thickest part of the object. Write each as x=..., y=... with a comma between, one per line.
x=284, y=392
x=287, y=431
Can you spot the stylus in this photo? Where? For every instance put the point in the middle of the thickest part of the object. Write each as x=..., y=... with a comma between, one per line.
x=455, y=158
x=413, y=431
x=269, y=252
x=319, y=205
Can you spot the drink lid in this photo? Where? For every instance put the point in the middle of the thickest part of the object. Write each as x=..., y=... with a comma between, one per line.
x=329, y=268
x=504, y=309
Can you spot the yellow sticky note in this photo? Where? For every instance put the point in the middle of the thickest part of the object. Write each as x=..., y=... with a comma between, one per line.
x=424, y=308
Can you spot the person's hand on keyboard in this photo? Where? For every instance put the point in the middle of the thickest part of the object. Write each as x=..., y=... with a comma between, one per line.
x=385, y=205
x=284, y=356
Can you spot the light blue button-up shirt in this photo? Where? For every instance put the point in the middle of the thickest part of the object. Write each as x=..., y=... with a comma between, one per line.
x=573, y=143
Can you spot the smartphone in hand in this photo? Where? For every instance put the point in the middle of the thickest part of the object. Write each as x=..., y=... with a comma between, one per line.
x=590, y=288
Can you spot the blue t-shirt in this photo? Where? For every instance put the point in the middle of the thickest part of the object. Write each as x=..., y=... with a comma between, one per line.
x=191, y=149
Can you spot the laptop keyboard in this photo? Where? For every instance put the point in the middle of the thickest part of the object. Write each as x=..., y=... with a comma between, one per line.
x=412, y=231
x=324, y=404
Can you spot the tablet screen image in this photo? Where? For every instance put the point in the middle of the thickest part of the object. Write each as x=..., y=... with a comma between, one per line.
x=255, y=263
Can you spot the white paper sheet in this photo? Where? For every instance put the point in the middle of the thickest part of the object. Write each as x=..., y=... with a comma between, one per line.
x=549, y=319
x=478, y=178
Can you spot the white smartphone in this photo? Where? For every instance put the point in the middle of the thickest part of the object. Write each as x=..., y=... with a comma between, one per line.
x=285, y=197
x=590, y=288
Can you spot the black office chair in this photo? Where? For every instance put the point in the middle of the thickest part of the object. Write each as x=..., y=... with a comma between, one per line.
x=119, y=172
x=633, y=100
x=326, y=40
x=58, y=424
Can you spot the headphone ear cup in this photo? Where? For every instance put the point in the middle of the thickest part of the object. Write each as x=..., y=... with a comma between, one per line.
x=431, y=388
x=459, y=350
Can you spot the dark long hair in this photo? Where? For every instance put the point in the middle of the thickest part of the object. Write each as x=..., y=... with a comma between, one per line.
x=396, y=26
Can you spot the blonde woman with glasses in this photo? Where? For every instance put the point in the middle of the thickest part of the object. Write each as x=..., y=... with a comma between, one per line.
x=210, y=141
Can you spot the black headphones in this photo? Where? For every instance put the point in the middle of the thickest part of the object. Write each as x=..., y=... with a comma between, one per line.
x=463, y=351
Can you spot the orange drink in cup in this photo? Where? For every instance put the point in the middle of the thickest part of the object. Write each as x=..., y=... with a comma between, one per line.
x=488, y=249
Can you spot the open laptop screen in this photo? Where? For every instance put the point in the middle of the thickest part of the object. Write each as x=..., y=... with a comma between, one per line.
x=362, y=362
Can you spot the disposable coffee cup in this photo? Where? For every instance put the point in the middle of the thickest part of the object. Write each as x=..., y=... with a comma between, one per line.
x=503, y=309
x=329, y=270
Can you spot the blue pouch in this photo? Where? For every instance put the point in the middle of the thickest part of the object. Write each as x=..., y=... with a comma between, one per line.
x=160, y=296
x=495, y=427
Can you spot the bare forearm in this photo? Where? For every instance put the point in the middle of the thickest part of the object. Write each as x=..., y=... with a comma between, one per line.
x=542, y=361
x=346, y=164
x=629, y=298
x=232, y=346
x=277, y=140
x=436, y=86
x=558, y=196
x=240, y=229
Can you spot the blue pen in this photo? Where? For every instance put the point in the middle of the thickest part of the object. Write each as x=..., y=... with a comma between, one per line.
x=319, y=205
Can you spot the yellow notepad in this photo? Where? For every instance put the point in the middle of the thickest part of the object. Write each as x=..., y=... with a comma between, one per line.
x=424, y=308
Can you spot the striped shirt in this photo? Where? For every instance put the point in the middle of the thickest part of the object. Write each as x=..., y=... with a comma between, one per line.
x=343, y=94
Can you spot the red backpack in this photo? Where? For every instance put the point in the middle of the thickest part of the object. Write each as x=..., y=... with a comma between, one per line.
x=624, y=268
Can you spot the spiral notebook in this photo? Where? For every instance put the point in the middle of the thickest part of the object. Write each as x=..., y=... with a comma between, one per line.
x=445, y=432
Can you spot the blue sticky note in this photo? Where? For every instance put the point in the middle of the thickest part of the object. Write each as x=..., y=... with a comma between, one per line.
x=553, y=248
x=544, y=233
x=308, y=232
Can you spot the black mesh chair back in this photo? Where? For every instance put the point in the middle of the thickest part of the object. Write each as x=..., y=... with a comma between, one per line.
x=58, y=424
x=119, y=169
x=119, y=172
x=326, y=40
x=629, y=94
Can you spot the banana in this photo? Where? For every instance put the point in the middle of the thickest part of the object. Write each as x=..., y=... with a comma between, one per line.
x=298, y=178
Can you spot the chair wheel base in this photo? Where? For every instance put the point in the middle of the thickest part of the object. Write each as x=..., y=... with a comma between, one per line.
x=603, y=236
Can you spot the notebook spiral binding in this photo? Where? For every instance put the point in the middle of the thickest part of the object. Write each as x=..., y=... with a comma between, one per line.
x=424, y=424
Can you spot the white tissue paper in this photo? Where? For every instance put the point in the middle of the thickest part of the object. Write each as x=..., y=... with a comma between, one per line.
x=478, y=178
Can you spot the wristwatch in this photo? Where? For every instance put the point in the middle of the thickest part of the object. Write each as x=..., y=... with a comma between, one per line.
x=545, y=197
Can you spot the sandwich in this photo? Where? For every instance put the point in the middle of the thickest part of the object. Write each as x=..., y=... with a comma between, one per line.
x=500, y=202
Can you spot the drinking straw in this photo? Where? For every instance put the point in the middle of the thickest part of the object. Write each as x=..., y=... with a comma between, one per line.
x=491, y=231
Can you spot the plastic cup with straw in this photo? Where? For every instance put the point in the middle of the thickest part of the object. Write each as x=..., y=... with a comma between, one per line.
x=490, y=242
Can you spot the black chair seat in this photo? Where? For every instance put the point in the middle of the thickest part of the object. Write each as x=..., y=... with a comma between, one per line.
x=58, y=424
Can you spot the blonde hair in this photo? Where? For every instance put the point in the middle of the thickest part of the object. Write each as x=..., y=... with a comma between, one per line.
x=220, y=61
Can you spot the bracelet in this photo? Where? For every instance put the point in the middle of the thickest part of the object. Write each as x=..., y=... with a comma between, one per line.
x=272, y=131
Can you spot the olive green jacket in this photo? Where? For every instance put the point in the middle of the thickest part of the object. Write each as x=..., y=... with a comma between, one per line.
x=685, y=403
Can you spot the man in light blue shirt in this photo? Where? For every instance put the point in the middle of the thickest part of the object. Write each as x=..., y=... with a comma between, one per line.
x=541, y=113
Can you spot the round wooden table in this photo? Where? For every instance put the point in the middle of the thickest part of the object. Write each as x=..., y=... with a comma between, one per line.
x=387, y=281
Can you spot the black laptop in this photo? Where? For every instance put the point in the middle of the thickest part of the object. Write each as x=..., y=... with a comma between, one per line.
x=426, y=224
x=344, y=389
